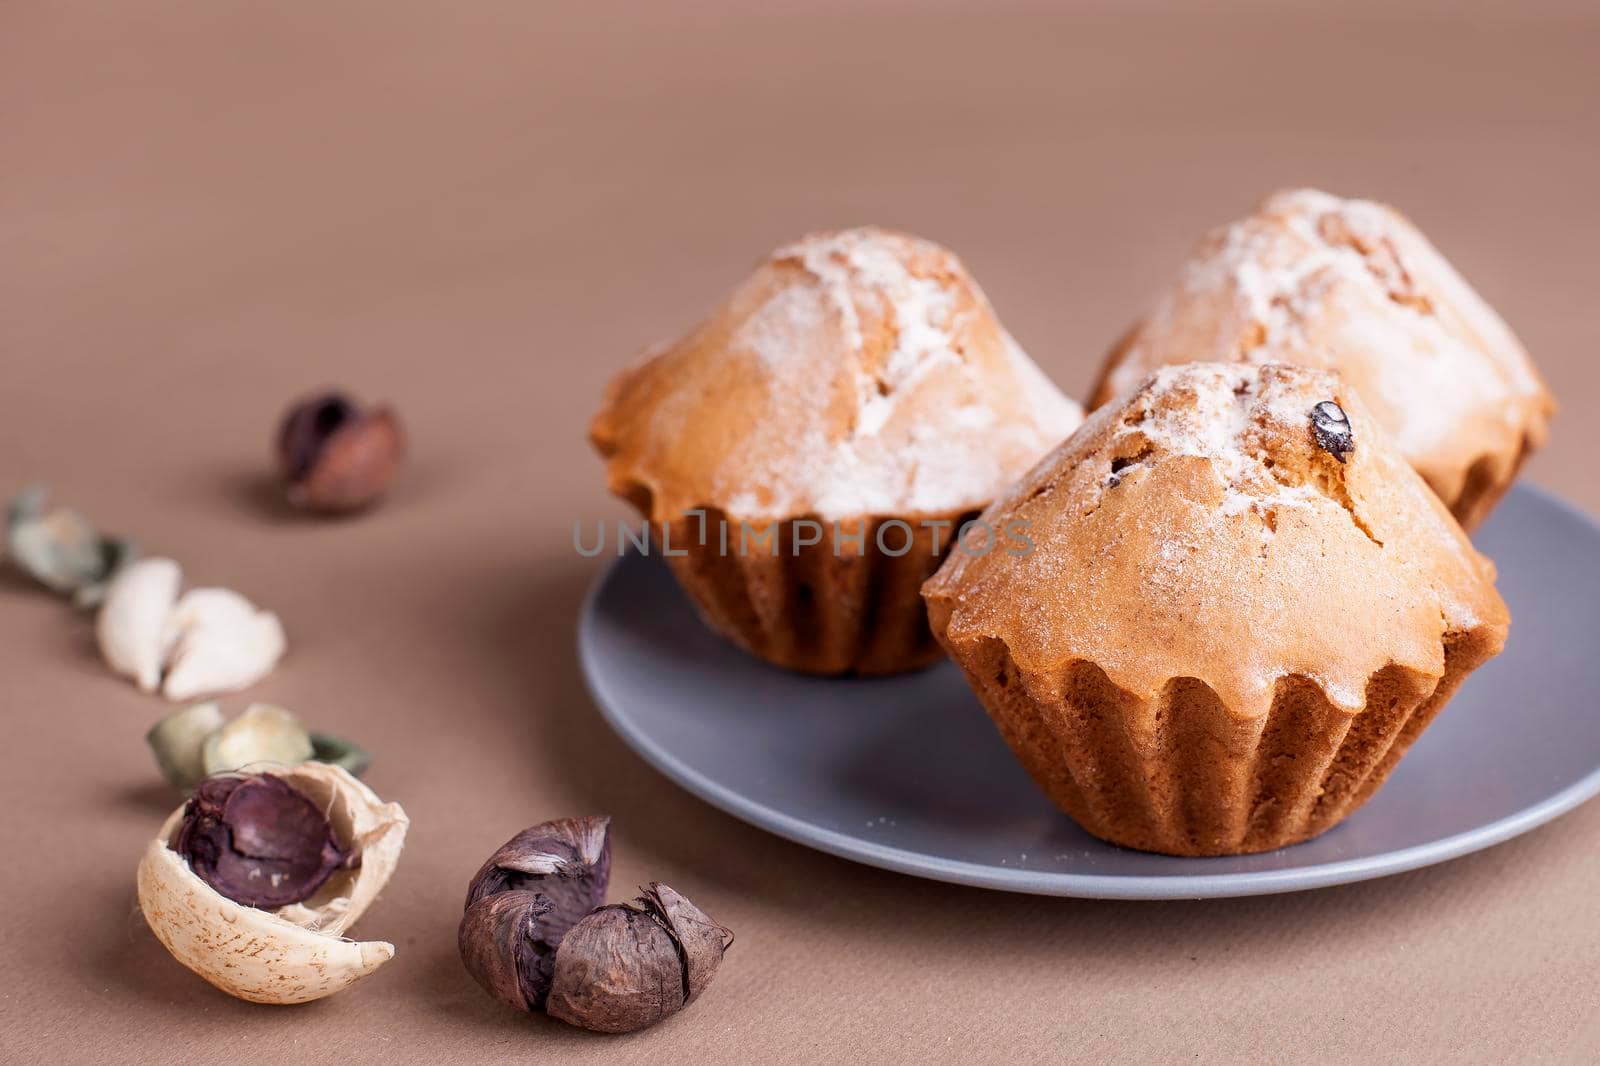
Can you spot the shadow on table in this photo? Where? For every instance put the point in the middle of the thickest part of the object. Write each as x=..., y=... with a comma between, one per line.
x=258, y=492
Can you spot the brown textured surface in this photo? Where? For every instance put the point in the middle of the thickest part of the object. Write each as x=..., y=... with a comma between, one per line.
x=1351, y=285
x=1182, y=775
x=471, y=211
x=1224, y=636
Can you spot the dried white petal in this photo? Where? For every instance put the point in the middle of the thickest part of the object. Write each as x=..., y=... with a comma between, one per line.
x=132, y=624
x=210, y=640
x=296, y=953
x=220, y=642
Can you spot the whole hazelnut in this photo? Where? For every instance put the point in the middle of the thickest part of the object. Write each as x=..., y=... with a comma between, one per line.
x=536, y=936
x=336, y=456
x=629, y=965
x=522, y=901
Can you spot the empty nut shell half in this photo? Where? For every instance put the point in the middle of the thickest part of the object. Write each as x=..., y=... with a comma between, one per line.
x=296, y=953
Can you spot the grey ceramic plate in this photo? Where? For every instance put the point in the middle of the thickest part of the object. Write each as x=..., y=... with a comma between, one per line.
x=907, y=773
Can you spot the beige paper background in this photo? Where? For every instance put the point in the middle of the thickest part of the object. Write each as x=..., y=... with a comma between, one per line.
x=478, y=211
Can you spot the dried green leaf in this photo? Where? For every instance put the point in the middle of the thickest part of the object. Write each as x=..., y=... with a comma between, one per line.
x=325, y=747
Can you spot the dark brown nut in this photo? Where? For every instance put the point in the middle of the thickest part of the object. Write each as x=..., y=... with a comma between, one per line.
x=506, y=949
x=336, y=457
x=521, y=902
x=535, y=935
x=258, y=841
x=629, y=965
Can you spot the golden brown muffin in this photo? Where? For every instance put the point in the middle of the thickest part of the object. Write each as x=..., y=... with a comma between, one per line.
x=809, y=447
x=1350, y=285
x=1240, y=608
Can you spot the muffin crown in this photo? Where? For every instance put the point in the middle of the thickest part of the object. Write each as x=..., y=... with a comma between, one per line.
x=1229, y=523
x=854, y=373
x=1351, y=285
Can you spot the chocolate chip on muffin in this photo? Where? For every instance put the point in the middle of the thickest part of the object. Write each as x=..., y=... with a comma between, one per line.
x=1331, y=427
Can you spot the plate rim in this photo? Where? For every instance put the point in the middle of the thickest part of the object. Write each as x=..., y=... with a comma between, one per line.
x=1070, y=885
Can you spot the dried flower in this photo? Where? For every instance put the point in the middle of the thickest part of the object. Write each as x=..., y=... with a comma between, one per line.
x=258, y=841
x=296, y=952
x=132, y=624
x=61, y=549
x=196, y=742
x=209, y=640
x=535, y=935
x=262, y=734
x=334, y=456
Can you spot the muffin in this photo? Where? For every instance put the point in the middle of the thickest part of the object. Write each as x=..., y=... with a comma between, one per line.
x=1350, y=285
x=806, y=454
x=1240, y=607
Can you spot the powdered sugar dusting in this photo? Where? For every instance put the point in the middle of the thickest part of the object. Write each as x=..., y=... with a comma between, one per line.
x=1198, y=528
x=771, y=333
x=924, y=314
x=1226, y=423
x=921, y=344
x=868, y=376
x=1317, y=280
